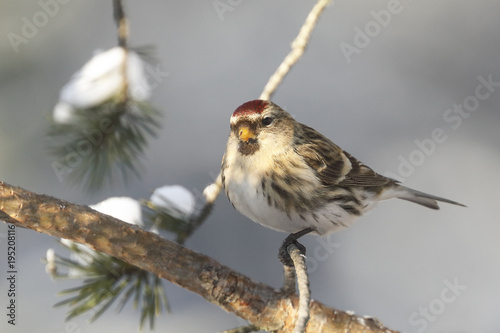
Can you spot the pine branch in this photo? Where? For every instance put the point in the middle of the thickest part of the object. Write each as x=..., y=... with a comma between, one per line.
x=256, y=302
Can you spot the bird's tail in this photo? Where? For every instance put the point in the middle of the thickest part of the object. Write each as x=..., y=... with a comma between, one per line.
x=421, y=198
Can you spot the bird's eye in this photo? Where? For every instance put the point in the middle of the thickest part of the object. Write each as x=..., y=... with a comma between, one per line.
x=267, y=121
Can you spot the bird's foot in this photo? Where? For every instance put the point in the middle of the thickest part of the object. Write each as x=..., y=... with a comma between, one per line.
x=283, y=254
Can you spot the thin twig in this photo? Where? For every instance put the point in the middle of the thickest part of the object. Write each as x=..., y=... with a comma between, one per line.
x=122, y=24
x=303, y=286
x=210, y=193
x=298, y=48
x=289, y=278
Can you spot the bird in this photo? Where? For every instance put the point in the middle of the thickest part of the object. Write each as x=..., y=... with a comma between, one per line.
x=289, y=177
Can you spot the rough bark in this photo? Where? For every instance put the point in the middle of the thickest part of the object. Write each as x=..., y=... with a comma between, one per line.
x=260, y=304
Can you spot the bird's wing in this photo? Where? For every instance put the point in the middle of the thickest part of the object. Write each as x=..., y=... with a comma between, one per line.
x=333, y=166
x=361, y=175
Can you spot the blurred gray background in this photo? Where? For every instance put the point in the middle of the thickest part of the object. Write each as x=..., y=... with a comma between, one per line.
x=397, y=262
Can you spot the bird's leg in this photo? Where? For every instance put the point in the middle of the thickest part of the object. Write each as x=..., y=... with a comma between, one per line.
x=283, y=254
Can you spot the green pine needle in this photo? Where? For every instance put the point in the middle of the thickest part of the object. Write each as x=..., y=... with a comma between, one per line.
x=102, y=143
x=106, y=280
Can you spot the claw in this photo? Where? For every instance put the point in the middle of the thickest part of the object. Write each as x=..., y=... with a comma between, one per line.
x=283, y=254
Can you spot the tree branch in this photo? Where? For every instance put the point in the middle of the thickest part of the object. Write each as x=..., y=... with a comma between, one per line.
x=299, y=264
x=256, y=302
x=121, y=22
x=123, y=32
x=298, y=49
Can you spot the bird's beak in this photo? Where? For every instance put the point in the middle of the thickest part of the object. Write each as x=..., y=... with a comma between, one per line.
x=246, y=133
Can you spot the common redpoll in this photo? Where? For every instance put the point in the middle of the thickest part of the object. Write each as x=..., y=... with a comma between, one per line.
x=288, y=177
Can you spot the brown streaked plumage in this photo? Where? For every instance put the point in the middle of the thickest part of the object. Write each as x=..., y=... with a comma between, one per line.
x=289, y=177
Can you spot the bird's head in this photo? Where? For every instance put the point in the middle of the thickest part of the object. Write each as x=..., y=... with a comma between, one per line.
x=261, y=124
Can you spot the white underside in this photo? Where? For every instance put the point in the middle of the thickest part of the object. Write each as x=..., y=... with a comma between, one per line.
x=254, y=205
x=245, y=193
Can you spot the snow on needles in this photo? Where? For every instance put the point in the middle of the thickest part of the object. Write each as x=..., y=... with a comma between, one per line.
x=176, y=199
x=122, y=208
x=101, y=79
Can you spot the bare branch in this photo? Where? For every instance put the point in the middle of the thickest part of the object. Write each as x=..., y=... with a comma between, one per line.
x=256, y=302
x=303, y=285
x=121, y=22
x=289, y=277
x=298, y=48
